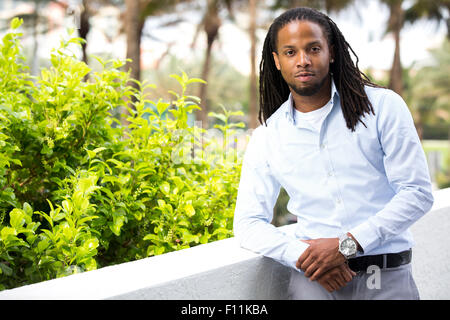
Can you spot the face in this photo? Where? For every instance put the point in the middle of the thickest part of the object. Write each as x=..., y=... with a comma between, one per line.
x=303, y=57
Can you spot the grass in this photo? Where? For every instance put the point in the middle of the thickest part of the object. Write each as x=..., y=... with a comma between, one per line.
x=443, y=146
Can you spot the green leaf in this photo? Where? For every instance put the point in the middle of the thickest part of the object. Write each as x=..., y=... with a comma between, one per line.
x=165, y=188
x=204, y=238
x=161, y=203
x=42, y=245
x=17, y=218
x=27, y=209
x=85, y=219
x=7, y=271
x=162, y=106
x=108, y=193
x=218, y=116
x=184, y=223
x=151, y=237
x=6, y=232
x=195, y=80
x=189, y=209
x=97, y=150
x=16, y=22
x=91, y=244
x=90, y=264
x=91, y=154
x=178, y=182
x=117, y=224
x=188, y=237
x=86, y=185
x=159, y=250
x=67, y=206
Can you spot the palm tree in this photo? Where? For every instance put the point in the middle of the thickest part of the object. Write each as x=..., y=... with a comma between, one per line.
x=428, y=91
x=430, y=10
x=395, y=25
x=84, y=27
x=134, y=22
x=136, y=14
x=90, y=8
x=210, y=24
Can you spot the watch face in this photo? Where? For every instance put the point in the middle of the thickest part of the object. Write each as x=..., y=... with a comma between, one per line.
x=348, y=247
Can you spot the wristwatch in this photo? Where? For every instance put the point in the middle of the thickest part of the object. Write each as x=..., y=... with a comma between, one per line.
x=347, y=246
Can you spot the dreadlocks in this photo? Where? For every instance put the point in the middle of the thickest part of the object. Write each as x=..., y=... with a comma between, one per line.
x=349, y=80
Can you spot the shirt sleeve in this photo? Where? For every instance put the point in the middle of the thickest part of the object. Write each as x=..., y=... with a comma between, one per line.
x=407, y=171
x=257, y=195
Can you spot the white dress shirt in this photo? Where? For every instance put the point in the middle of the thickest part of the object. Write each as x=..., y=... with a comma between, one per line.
x=373, y=182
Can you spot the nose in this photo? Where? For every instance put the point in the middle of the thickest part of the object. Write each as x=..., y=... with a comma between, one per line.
x=303, y=59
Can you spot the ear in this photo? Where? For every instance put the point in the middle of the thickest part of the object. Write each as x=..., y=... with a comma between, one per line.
x=331, y=54
x=277, y=61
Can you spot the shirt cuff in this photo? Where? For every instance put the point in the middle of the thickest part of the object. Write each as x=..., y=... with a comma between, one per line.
x=366, y=235
x=293, y=251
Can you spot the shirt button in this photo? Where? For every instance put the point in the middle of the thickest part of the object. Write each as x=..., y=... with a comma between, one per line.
x=330, y=174
x=338, y=201
x=323, y=145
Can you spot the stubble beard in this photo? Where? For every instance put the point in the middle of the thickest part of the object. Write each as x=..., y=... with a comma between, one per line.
x=311, y=90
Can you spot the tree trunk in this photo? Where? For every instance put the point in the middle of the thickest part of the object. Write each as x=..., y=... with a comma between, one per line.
x=84, y=28
x=133, y=29
x=212, y=24
x=202, y=115
x=396, y=23
x=253, y=103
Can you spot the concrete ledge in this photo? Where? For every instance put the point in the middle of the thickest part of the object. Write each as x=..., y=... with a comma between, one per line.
x=217, y=270
x=223, y=270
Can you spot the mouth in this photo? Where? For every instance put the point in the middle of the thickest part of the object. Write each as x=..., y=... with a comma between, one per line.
x=304, y=76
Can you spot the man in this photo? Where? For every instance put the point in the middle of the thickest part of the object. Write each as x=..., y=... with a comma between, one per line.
x=347, y=153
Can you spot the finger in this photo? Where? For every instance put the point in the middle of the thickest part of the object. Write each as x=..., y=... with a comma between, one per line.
x=311, y=269
x=307, y=263
x=337, y=277
x=335, y=283
x=319, y=272
x=327, y=286
x=331, y=285
x=340, y=280
x=346, y=275
x=350, y=271
x=302, y=258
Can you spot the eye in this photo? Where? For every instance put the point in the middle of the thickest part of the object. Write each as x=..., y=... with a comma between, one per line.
x=315, y=49
x=289, y=52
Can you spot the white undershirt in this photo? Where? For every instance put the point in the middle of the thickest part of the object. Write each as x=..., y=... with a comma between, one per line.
x=313, y=118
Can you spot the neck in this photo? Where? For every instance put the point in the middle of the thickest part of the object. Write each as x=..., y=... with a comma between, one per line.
x=314, y=102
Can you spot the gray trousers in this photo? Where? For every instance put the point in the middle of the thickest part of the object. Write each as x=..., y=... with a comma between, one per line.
x=375, y=284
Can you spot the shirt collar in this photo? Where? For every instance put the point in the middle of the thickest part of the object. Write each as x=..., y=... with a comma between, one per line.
x=289, y=109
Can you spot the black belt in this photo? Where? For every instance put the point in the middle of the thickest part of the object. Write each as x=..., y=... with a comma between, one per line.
x=389, y=260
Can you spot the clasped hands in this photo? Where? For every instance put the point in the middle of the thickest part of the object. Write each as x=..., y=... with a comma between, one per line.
x=322, y=262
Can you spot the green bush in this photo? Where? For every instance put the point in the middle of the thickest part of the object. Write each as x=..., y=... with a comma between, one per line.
x=80, y=189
